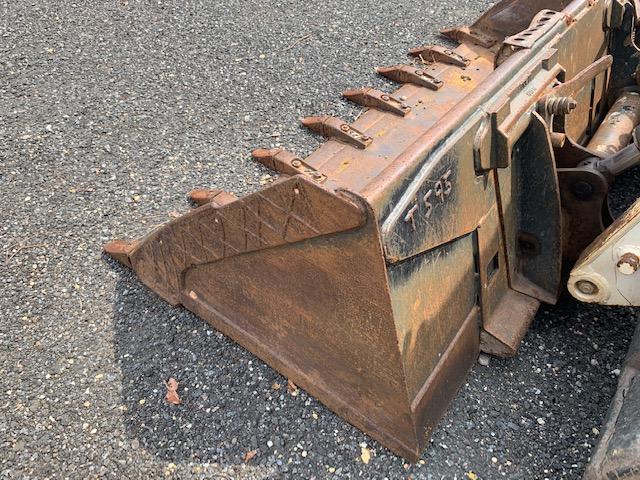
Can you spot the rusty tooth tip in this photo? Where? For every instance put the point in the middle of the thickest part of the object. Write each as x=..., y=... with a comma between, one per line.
x=353, y=92
x=383, y=70
x=120, y=250
x=262, y=153
x=311, y=121
x=201, y=196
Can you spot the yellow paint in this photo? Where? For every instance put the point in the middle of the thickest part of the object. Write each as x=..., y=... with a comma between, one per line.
x=343, y=166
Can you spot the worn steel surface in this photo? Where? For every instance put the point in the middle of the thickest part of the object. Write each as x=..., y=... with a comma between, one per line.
x=374, y=270
x=617, y=455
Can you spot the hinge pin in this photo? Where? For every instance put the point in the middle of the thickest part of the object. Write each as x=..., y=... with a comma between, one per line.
x=587, y=287
x=628, y=263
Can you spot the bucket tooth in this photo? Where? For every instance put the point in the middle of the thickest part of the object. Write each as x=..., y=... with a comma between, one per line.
x=121, y=250
x=278, y=160
x=436, y=53
x=337, y=129
x=370, y=97
x=411, y=74
x=468, y=35
x=287, y=163
x=202, y=196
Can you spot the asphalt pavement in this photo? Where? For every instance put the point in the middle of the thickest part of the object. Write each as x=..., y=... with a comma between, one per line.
x=109, y=113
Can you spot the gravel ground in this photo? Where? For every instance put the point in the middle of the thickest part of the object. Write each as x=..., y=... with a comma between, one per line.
x=109, y=113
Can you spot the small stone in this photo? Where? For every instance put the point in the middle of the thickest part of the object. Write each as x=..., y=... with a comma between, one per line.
x=513, y=426
x=594, y=362
x=484, y=360
x=541, y=421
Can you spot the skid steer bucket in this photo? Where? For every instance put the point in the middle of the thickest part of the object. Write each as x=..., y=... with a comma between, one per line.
x=375, y=269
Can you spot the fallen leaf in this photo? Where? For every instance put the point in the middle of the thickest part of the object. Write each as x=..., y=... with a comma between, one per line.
x=365, y=455
x=292, y=388
x=172, y=392
x=275, y=386
x=249, y=455
x=472, y=476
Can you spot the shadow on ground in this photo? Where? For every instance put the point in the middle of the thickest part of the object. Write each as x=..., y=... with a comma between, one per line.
x=558, y=386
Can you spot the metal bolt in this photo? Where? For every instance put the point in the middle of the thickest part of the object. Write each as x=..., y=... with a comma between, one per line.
x=344, y=127
x=385, y=97
x=587, y=287
x=628, y=263
x=296, y=163
x=561, y=105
